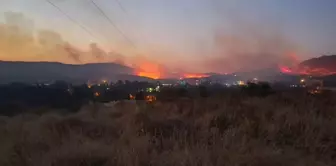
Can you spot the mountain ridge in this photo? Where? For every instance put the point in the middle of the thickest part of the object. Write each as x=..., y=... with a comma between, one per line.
x=19, y=71
x=325, y=61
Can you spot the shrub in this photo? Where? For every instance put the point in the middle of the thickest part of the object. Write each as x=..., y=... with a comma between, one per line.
x=281, y=129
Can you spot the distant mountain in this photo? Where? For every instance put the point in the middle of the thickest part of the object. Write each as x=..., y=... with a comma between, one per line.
x=48, y=71
x=327, y=62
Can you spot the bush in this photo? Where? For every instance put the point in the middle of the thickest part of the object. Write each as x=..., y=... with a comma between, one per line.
x=282, y=129
x=261, y=89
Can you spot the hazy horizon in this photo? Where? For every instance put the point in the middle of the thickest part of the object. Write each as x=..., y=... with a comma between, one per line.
x=198, y=35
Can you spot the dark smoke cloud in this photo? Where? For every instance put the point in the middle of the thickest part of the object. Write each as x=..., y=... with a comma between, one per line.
x=97, y=52
x=249, y=46
x=117, y=57
x=73, y=52
x=20, y=40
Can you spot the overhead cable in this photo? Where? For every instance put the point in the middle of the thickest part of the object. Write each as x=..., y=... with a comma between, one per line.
x=71, y=19
x=112, y=23
x=121, y=6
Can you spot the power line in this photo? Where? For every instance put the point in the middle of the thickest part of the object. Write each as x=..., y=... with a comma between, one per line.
x=112, y=23
x=121, y=6
x=71, y=19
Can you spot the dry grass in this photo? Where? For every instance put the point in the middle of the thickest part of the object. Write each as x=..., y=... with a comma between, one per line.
x=279, y=130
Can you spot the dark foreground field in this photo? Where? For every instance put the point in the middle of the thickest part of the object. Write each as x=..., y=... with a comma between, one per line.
x=280, y=130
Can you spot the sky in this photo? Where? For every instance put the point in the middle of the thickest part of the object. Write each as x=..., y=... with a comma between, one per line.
x=182, y=33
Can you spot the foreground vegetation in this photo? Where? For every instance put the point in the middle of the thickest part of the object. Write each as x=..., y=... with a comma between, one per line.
x=233, y=130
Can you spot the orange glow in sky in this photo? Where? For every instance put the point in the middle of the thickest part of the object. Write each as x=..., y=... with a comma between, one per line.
x=154, y=70
x=194, y=75
x=153, y=75
x=149, y=69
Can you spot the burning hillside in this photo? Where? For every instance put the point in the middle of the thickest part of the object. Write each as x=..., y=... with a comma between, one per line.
x=153, y=71
x=322, y=66
x=194, y=75
x=248, y=50
x=148, y=68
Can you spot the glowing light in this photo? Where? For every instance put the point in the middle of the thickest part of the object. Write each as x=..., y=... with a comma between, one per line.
x=157, y=88
x=240, y=83
x=194, y=75
x=149, y=69
x=150, y=89
x=150, y=98
x=131, y=97
x=96, y=94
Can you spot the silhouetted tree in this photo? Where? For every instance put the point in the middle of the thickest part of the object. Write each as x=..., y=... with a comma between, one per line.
x=203, y=91
x=60, y=85
x=182, y=92
x=140, y=96
x=127, y=82
x=119, y=82
x=261, y=89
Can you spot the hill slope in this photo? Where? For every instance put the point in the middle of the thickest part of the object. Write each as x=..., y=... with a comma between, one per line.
x=327, y=62
x=46, y=71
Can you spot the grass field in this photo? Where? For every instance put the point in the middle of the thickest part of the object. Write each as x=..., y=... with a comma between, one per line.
x=280, y=130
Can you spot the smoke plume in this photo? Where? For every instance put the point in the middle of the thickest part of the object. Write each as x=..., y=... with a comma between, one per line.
x=73, y=52
x=249, y=47
x=97, y=52
x=21, y=41
x=243, y=47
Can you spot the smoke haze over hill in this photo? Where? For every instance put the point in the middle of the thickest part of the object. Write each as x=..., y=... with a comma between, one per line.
x=251, y=46
x=254, y=47
x=21, y=41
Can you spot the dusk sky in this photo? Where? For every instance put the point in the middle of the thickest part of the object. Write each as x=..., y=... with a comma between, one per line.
x=185, y=30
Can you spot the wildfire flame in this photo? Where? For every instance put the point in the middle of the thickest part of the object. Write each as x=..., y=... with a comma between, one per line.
x=155, y=71
x=149, y=69
x=194, y=75
x=298, y=69
x=153, y=75
x=158, y=74
x=306, y=71
x=285, y=69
